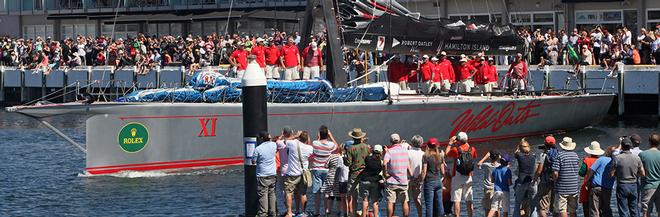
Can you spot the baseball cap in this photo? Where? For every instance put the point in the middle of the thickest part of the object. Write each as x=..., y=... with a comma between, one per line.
x=433, y=142
x=462, y=136
x=425, y=56
x=378, y=148
x=550, y=140
x=443, y=53
x=395, y=138
x=434, y=59
x=463, y=60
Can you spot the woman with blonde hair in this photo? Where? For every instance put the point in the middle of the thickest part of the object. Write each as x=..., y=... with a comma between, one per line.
x=525, y=189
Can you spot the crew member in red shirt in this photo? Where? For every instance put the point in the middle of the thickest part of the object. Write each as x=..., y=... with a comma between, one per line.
x=238, y=59
x=396, y=72
x=464, y=74
x=517, y=72
x=436, y=76
x=461, y=182
x=259, y=52
x=313, y=59
x=447, y=75
x=427, y=69
x=290, y=58
x=486, y=76
x=272, y=60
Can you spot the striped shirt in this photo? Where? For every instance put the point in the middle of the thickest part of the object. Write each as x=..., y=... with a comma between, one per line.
x=567, y=163
x=322, y=152
x=397, y=165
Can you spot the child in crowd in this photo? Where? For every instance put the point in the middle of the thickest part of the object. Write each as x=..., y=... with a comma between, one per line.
x=502, y=179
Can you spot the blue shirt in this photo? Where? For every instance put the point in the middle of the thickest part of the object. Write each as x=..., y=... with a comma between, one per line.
x=264, y=156
x=501, y=177
x=567, y=164
x=601, y=169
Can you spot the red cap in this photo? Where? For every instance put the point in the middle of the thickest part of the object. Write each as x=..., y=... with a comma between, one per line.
x=549, y=140
x=433, y=142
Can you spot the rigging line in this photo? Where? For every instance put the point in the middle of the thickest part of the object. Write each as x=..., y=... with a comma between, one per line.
x=458, y=9
x=472, y=6
x=437, y=7
x=368, y=25
x=231, y=6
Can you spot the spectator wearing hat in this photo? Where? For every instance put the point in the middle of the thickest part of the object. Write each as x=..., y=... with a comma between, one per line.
x=501, y=177
x=290, y=60
x=396, y=170
x=594, y=152
x=371, y=180
x=354, y=160
x=464, y=157
x=565, y=173
x=415, y=181
x=446, y=72
x=486, y=77
x=313, y=60
x=517, y=73
x=600, y=190
x=651, y=161
x=627, y=170
x=272, y=55
x=543, y=175
x=489, y=187
x=433, y=168
x=524, y=188
x=238, y=59
x=464, y=73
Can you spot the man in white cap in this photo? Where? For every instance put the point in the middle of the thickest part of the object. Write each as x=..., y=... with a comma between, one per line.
x=594, y=152
x=464, y=157
x=446, y=71
x=259, y=52
x=567, y=181
x=436, y=76
x=313, y=60
x=238, y=59
x=465, y=73
x=486, y=76
x=396, y=175
x=426, y=68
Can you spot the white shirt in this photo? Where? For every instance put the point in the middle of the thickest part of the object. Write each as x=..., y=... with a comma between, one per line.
x=294, y=165
x=597, y=38
x=343, y=170
x=415, y=156
x=627, y=38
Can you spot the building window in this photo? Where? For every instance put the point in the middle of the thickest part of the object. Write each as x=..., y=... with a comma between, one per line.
x=537, y=20
x=75, y=30
x=121, y=30
x=34, y=31
x=587, y=20
x=162, y=29
x=653, y=18
x=478, y=17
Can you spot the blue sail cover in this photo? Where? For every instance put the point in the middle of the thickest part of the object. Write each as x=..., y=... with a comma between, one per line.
x=151, y=95
x=207, y=79
x=186, y=94
x=295, y=86
x=222, y=94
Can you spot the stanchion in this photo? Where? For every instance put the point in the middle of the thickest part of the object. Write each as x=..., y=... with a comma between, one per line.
x=621, y=98
x=2, y=83
x=255, y=120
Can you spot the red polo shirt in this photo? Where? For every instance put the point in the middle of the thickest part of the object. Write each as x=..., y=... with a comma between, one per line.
x=272, y=55
x=260, y=53
x=464, y=72
x=427, y=70
x=447, y=70
x=241, y=58
x=485, y=74
x=290, y=54
x=396, y=72
x=312, y=59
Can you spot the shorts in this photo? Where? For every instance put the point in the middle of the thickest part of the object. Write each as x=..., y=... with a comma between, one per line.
x=291, y=74
x=500, y=200
x=446, y=85
x=545, y=197
x=415, y=187
x=461, y=188
x=650, y=199
x=318, y=179
x=370, y=190
x=343, y=187
x=397, y=193
x=487, y=200
x=566, y=203
x=310, y=72
x=239, y=73
x=294, y=184
x=272, y=71
x=488, y=87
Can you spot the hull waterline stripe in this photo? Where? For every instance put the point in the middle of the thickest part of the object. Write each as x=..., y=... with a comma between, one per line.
x=237, y=160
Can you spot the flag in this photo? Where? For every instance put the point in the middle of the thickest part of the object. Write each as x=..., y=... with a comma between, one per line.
x=572, y=54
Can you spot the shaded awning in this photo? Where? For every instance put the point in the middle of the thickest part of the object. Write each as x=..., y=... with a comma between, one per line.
x=173, y=17
x=271, y=14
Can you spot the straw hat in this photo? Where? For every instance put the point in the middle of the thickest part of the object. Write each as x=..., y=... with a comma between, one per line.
x=567, y=144
x=357, y=133
x=594, y=149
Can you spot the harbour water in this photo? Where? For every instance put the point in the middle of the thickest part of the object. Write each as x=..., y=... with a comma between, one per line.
x=40, y=175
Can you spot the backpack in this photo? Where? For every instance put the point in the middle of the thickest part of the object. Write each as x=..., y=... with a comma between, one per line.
x=464, y=162
x=546, y=175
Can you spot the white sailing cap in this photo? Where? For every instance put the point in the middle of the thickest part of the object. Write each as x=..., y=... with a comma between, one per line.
x=462, y=136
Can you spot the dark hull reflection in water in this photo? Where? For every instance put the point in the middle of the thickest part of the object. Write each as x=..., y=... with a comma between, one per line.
x=40, y=175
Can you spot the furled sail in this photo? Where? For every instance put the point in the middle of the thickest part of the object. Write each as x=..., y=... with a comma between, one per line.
x=385, y=25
